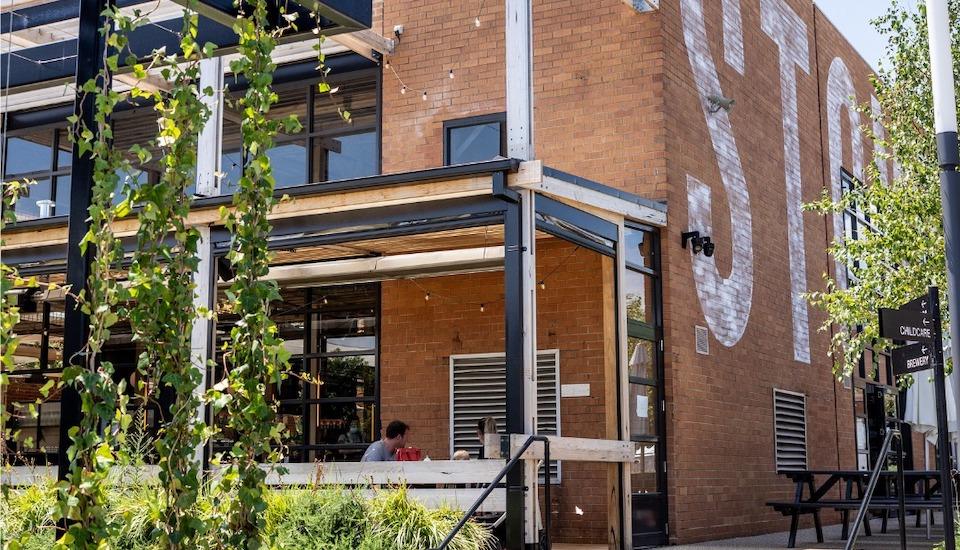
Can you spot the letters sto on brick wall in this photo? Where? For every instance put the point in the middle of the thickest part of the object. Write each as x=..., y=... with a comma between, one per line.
x=726, y=300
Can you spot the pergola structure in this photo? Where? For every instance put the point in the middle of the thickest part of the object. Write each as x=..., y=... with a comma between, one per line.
x=518, y=194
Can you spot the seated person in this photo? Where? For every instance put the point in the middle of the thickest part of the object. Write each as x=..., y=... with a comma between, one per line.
x=385, y=449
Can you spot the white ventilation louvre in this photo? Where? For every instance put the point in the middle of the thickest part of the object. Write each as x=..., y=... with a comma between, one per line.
x=478, y=389
x=703, y=340
x=790, y=425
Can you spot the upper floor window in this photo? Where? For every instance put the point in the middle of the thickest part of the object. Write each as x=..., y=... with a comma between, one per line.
x=326, y=148
x=41, y=155
x=856, y=221
x=474, y=139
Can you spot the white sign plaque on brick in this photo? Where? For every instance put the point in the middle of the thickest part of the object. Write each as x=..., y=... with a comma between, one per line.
x=575, y=390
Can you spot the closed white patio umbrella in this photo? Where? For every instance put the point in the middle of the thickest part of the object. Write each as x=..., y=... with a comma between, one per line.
x=921, y=407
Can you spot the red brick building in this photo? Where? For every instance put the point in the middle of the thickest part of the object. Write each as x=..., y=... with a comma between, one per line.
x=708, y=116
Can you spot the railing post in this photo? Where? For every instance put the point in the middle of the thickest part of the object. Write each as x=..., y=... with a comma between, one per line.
x=868, y=494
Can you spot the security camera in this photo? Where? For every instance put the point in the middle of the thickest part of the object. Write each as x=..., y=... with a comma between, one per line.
x=708, y=247
x=718, y=102
x=698, y=244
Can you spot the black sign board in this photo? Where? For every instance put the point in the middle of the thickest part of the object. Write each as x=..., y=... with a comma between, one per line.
x=906, y=325
x=918, y=304
x=912, y=358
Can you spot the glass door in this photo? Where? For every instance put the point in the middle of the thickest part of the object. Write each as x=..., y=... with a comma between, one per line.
x=641, y=286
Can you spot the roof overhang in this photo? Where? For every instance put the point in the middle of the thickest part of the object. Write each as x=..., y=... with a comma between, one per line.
x=48, y=56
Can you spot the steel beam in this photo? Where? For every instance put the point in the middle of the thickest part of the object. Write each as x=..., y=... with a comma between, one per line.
x=89, y=60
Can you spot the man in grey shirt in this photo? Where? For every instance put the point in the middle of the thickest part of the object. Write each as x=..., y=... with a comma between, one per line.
x=395, y=437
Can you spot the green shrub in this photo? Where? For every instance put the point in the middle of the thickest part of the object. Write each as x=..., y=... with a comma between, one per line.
x=314, y=518
x=25, y=519
x=398, y=523
x=306, y=518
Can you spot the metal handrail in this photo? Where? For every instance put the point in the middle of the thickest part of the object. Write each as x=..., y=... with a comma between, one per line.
x=493, y=484
x=871, y=485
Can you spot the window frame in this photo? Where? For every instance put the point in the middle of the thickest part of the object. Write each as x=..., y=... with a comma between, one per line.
x=478, y=120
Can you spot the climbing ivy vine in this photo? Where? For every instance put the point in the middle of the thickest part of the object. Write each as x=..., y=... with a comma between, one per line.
x=83, y=496
x=161, y=287
x=255, y=357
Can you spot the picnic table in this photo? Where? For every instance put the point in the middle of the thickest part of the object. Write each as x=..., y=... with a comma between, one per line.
x=922, y=490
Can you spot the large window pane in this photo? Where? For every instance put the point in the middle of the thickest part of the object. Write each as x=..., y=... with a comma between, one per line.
x=639, y=292
x=644, y=469
x=349, y=376
x=643, y=410
x=642, y=359
x=289, y=163
x=62, y=207
x=357, y=157
x=36, y=200
x=639, y=247
x=342, y=424
x=29, y=153
x=64, y=150
x=474, y=143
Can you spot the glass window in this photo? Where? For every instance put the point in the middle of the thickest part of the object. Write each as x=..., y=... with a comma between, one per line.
x=473, y=140
x=289, y=163
x=638, y=289
x=643, y=470
x=35, y=203
x=643, y=409
x=29, y=153
x=638, y=247
x=357, y=157
x=328, y=399
x=641, y=358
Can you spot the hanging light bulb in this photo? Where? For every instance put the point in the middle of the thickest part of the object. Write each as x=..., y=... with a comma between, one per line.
x=482, y=309
x=543, y=285
x=476, y=22
x=325, y=301
x=451, y=74
x=426, y=297
x=403, y=89
x=424, y=95
x=386, y=64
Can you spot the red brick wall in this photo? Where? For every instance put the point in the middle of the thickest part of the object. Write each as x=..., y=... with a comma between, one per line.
x=616, y=101
x=418, y=337
x=720, y=424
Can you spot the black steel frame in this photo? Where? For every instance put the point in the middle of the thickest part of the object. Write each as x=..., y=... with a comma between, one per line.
x=56, y=63
x=654, y=272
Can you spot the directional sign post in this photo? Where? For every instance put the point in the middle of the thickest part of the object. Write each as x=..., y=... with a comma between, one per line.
x=919, y=321
x=905, y=324
x=911, y=359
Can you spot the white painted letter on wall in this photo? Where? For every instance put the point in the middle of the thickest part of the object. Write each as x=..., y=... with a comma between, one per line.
x=725, y=301
x=841, y=93
x=789, y=32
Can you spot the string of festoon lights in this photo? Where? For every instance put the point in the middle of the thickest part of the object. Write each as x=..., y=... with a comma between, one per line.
x=451, y=73
x=429, y=295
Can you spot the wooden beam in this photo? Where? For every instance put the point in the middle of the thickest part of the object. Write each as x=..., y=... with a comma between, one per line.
x=611, y=397
x=583, y=195
x=301, y=206
x=576, y=449
x=388, y=473
x=366, y=43
x=14, y=5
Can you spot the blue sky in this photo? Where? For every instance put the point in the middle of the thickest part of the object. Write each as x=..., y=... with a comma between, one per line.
x=853, y=17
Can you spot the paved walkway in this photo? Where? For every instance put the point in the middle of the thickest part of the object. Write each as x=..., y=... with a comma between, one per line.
x=807, y=539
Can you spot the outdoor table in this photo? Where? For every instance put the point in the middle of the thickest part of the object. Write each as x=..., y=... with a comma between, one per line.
x=810, y=497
